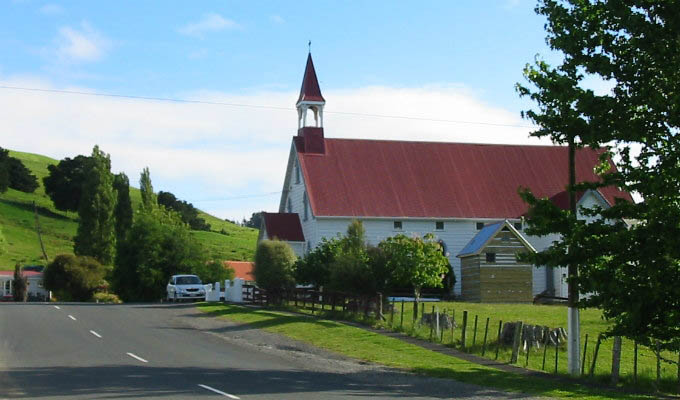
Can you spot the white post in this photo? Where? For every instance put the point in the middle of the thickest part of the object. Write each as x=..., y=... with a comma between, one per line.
x=573, y=341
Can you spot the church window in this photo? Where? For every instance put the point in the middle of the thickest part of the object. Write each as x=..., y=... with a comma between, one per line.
x=304, y=205
x=480, y=225
x=397, y=225
x=290, y=206
x=297, y=172
x=518, y=226
x=491, y=257
x=439, y=225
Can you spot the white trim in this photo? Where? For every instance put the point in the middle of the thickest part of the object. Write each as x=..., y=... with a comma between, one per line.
x=445, y=219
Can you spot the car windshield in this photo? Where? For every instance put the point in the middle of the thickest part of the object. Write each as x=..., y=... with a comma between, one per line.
x=188, y=280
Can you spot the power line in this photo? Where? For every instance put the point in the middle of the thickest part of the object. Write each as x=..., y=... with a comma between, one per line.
x=217, y=103
x=247, y=196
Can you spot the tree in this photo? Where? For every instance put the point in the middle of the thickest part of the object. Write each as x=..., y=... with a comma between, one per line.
x=96, y=229
x=123, y=210
x=157, y=246
x=415, y=261
x=255, y=220
x=15, y=175
x=315, y=267
x=74, y=278
x=149, y=201
x=632, y=45
x=214, y=271
x=20, y=285
x=186, y=210
x=64, y=182
x=274, y=262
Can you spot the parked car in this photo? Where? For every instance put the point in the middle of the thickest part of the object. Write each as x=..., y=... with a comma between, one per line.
x=181, y=287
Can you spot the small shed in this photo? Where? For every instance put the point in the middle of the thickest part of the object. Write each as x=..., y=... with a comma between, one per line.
x=490, y=271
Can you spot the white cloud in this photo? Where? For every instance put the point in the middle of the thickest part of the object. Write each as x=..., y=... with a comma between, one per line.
x=211, y=154
x=211, y=22
x=51, y=9
x=277, y=19
x=84, y=44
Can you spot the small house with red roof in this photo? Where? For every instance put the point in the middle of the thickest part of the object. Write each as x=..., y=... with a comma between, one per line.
x=35, y=284
x=451, y=190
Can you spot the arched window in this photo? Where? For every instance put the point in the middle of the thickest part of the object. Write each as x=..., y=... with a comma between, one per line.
x=304, y=206
x=297, y=172
x=290, y=206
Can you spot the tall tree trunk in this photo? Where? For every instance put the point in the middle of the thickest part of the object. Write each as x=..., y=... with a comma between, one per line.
x=416, y=303
x=574, y=339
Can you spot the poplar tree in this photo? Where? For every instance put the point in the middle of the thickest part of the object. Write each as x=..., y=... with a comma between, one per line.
x=96, y=229
x=123, y=211
x=149, y=201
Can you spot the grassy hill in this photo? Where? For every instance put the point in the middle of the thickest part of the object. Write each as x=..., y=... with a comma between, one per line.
x=17, y=218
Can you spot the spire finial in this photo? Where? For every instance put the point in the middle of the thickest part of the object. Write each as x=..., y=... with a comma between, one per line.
x=309, y=44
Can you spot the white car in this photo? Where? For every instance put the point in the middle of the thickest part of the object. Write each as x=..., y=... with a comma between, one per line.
x=182, y=287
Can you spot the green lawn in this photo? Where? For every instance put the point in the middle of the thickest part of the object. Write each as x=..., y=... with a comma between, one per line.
x=58, y=228
x=361, y=344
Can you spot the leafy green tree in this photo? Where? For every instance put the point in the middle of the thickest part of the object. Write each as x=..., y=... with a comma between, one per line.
x=415, y=261
x=214, y=271
x=186, y=210
x=315, y=267
x=255, y=220
x=149, y=201
x=123, y=210
x=15, y=175
x=274, y=262
x=632, y=45
x=19, y=285
x=157, y=246
x=64, y=183
x=74, y=278
x=96, y=229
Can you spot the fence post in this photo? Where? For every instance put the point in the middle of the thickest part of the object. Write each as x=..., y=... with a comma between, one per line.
x=616, y=360
x=515, y=342
x=597, y=349
x=498, y=339
x=401, y=315
x=546, y=342
x=585, y=348
x=392, y=315
x=313, y=301
x=380, y=307
x=441, y=332
x=464, y=331
x=422, y=318
x=486, y=333
x=474, y=333
x=526, y=362
x=557, y=353
x=453, y=324
x=658, y=364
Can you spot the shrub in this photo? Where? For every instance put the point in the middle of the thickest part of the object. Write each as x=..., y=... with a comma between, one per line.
x=74, y=278
x=101, y=297
x=274, y=262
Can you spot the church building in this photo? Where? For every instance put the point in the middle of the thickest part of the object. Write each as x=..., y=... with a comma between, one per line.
x=452, y=190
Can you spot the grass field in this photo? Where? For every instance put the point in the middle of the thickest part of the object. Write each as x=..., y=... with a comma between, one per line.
x=552, y=316
x=17, y=218
x=361, y=344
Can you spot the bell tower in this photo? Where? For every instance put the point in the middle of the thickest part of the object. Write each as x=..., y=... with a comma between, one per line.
x=310, y=111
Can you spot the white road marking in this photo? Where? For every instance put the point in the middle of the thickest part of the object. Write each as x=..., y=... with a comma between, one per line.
x=72, y=317
x=231, y=396
x=96, y=334
x=57, y=307
x=137, y=357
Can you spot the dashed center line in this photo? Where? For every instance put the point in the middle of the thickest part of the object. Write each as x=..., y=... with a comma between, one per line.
x=231, y=396
x=72, y=317
x=137, y=357
x=57, y=307
x=96, y=334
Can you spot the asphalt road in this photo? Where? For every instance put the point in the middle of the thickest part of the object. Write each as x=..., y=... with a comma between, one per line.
x=154, y=351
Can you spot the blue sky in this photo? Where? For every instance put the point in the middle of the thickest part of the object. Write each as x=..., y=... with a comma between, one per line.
x=439, y=60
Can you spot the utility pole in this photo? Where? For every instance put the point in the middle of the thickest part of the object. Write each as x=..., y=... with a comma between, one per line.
x=573, y=319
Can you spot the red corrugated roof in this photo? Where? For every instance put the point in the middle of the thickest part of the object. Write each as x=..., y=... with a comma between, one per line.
x=242, y=269
x=378, y=178
x=283, y=226
x=24, y=273
x=310, y=90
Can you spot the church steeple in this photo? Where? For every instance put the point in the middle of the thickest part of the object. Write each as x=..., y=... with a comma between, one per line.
x=310, y=97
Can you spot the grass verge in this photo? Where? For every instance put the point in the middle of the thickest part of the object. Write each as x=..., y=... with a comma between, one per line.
x=364, y=345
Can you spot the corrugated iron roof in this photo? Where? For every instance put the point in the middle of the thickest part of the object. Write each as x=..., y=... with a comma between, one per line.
x=283, y=226
x=242, y=269
x=488, y=232
x=380, y=178
x=310, y=90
